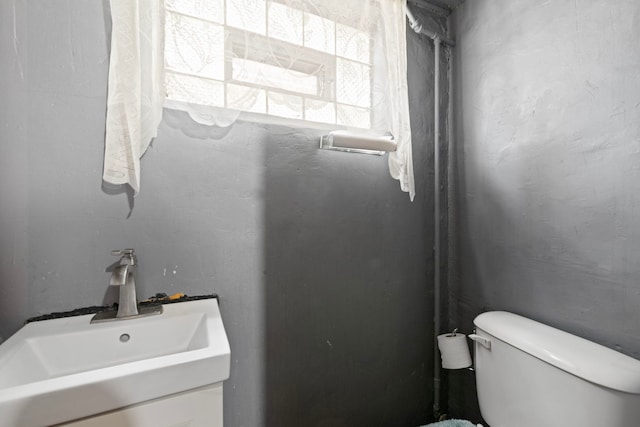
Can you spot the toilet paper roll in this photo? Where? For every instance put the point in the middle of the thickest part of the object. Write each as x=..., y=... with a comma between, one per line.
x=454, y=351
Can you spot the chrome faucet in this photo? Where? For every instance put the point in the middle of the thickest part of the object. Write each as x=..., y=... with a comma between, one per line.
x=122, y=276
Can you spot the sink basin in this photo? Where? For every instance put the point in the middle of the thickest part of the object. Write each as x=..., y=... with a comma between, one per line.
x=60, y=370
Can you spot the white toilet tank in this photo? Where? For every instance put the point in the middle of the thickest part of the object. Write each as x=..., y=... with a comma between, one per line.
x=532, y=375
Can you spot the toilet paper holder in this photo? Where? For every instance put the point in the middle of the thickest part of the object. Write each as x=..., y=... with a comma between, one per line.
x=483, y=341
x=454, y=350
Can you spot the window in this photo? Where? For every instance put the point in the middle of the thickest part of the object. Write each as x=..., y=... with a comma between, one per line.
x=284, y=58
x=341, y=62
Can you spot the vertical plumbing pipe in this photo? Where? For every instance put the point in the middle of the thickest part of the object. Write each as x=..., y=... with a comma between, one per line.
x=437, y=40
x=450, y=162
x=436, y=215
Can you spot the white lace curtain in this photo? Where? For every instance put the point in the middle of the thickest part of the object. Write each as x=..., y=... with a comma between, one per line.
x=136, y=87
x=338, y=62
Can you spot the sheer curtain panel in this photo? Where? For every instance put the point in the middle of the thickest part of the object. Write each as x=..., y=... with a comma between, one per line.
x=136, y=87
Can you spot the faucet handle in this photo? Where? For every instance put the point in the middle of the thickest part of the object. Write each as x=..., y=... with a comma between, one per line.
x=119, y=252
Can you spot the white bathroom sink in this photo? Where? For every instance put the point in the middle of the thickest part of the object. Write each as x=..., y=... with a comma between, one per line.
x=60, y=370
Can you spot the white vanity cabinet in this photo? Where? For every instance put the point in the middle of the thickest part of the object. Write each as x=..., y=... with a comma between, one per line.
x=201, y=407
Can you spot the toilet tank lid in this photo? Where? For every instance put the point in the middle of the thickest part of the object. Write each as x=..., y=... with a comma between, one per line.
x=578, y=356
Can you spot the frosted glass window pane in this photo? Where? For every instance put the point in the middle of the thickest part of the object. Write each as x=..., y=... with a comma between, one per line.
x=246, y=98
x=195, y=90
x=319, y=111
x=354, y=116
x=211, y=10
x=247, y=15
x=284, y=58
x=285, y=23
x=319, y=33
x=261, y=74
x=193, y=46
x=353, y=44
x=353, y=83
x=285, y=105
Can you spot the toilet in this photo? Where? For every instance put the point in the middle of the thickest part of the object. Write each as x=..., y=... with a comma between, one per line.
x=532, y=375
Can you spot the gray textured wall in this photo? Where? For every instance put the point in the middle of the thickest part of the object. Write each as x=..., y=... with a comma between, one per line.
x=322, y=264
x=548, y=167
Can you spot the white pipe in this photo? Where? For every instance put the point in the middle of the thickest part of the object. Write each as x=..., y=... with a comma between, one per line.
x=413, y=22
x=436, y=214
x=437, y=40
x=430, y=8
x=417, y=26
x=450, y=157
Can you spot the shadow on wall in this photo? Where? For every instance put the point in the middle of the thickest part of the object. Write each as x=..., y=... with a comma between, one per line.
x=345, y=290
x=515, y=263
x=542, y=229
x=348, y=270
